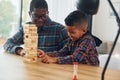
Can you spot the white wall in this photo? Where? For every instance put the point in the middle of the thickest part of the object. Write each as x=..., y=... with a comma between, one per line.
x=105, y=26
x=59, y=9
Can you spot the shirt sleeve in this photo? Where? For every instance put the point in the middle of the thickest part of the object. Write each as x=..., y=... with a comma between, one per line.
x=79, y=54
x=62, y=52
x=14, y=42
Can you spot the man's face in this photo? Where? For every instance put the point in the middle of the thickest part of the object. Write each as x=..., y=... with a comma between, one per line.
x=75, y=33
x=39, y=16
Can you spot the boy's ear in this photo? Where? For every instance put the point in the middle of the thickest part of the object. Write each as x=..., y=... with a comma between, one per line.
x=47, y=12
x=85, y=29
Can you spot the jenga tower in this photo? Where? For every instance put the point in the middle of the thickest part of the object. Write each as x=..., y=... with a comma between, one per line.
x=30, y=42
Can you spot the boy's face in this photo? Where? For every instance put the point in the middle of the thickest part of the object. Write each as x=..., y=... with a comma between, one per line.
x=39, y=16
x=75, y=32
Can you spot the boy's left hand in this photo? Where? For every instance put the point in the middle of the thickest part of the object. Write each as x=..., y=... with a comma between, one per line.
x=45, y=58
x=48, y=59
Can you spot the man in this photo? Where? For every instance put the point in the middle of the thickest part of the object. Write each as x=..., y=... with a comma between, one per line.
x=51, y=35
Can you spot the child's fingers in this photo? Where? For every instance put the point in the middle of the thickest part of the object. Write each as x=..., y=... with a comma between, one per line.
x=44, y=59
x=40, y=54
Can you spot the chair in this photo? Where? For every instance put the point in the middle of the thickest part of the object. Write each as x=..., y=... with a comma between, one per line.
x=114, y=61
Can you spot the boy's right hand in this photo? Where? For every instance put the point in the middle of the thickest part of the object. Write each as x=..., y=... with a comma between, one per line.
x=45, y=58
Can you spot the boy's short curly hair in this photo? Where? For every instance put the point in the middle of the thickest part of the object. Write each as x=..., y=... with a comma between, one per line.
x=42, y=4
x=76, y=18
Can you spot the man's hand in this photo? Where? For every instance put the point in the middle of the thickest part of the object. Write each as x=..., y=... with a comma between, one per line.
x=45, y=58
x=20, y=51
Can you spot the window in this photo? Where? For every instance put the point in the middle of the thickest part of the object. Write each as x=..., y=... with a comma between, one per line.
x=8, y=17
x=25, y=10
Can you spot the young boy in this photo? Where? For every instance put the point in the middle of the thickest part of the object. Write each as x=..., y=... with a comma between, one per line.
x=81, y=46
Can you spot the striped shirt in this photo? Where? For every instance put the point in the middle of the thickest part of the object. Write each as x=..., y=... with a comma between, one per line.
x=51, y=37
x=83, y=51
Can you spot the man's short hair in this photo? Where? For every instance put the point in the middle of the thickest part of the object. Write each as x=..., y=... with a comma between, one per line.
x=76, y=18
x=42, y=4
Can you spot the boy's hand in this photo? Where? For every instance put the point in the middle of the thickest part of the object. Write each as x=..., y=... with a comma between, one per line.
x=45, y=58
x=48, y=59
x=40, y=53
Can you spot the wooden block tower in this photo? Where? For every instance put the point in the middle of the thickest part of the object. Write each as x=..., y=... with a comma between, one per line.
x=30, y=42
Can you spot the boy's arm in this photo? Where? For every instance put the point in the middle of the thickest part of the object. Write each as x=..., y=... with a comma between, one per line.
x=62, y=52
x=79, y=54
x=51, y=57
x=13, y=44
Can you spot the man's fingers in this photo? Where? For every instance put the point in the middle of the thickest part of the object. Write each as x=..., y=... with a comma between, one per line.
x=22, y=52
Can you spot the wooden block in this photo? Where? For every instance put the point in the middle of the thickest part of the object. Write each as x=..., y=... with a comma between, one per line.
x=30, y=48
x=30, y=45
x=30, y=32
x=30, y=28
x=31, y=41
x=30, y=59
x=32, y=55
x=31, y=51
x=31, y=36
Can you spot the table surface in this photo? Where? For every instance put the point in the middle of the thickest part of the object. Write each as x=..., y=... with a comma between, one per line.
x=12, y=67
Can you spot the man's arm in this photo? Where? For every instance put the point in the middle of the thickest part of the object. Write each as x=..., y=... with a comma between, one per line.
x=63, y=38
x=13, y=44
